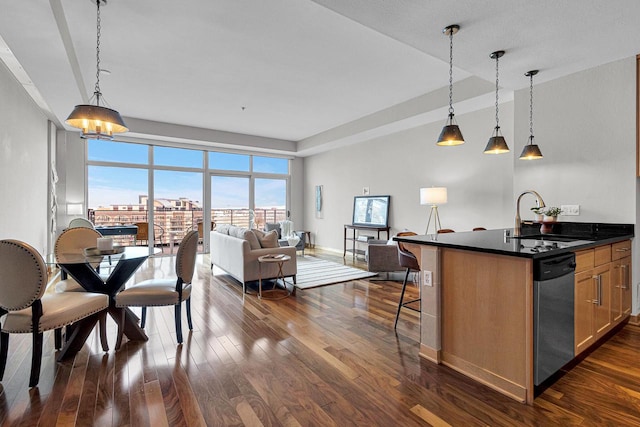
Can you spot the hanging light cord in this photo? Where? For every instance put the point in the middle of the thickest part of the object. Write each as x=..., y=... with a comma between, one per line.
x=97, y=88
x=497, y=120
x=451, y=73
x=531, y=109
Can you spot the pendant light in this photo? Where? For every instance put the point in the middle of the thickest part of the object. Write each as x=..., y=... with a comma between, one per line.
x=531, y=151
x=496, y=144
x=450, y=134
x=96, y=121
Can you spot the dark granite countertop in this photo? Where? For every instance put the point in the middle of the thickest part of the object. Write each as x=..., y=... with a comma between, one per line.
x=565, y=237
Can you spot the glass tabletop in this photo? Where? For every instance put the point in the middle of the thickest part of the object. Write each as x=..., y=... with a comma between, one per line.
x=129, y=253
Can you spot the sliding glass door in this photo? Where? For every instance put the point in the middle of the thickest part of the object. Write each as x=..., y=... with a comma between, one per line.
x=230, y=200
x=270, y=201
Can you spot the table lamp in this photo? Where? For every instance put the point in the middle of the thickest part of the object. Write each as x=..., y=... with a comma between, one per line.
x=433, y=196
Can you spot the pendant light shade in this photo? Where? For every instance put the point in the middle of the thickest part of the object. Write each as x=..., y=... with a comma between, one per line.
x=531, y=151
x=450, y=134
x=497, y=143
x=96, y=121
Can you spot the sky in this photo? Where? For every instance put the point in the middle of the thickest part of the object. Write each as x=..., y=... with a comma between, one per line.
x=110, y=185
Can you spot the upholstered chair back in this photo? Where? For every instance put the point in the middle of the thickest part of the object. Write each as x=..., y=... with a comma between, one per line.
x=405, y=257
x=80, y=222
x=186, y=257
x=75, y=241
x=23, y=273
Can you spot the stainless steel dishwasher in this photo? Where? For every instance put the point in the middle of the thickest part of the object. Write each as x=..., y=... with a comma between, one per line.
x=553, y=329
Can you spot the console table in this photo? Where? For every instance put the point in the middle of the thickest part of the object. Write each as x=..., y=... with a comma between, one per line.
x=354, y=237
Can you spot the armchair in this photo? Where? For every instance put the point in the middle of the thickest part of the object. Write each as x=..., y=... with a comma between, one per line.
x=282, y=241
x=382, y=257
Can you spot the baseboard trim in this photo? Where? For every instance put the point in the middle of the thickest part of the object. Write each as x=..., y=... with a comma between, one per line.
x=634, y=320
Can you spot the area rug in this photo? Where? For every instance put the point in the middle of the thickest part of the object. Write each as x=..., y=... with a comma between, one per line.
x=314, y=272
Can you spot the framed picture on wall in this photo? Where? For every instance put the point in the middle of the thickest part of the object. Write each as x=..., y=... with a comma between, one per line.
x=319, y=201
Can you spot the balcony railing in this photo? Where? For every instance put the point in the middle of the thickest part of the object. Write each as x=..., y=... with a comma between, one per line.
x=174, y=224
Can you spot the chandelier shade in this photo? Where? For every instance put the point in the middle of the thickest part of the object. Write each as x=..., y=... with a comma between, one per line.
x=96, y=121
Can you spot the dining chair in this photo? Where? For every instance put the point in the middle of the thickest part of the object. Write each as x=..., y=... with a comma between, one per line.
x=75, y=241
x=446, y=230
x=29, y=309
x=407, y=260
x=80, y=222
x=479, y=229
x=143, y=233
x=163, y=292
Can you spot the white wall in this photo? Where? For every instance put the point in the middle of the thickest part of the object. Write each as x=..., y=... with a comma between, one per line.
x=585, y=125
x=24, y=147
x=479, y=185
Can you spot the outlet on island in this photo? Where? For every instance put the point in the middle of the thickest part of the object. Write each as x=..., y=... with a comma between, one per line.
x=567, y=210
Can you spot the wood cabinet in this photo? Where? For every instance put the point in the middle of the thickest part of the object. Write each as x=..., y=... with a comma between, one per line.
x=602, y=291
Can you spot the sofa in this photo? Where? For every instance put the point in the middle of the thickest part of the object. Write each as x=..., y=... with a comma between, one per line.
x=236, y=251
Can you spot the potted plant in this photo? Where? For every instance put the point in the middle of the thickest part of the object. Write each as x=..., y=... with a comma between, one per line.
x=539, y=213
x=551, y=213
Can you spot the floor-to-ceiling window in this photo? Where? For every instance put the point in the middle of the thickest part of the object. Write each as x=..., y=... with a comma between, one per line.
x=167, y=189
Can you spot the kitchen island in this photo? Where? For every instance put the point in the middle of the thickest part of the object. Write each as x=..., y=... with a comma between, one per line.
x=477, y=296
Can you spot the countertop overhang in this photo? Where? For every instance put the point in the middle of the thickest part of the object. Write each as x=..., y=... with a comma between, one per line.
x=565, y=237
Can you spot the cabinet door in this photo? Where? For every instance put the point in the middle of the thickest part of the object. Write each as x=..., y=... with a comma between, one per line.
x=617, y=279
x=584, y=311
x=625, y=274
x=602, y=288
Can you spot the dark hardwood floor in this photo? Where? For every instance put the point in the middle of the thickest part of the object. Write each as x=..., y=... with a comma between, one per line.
x=326, y=357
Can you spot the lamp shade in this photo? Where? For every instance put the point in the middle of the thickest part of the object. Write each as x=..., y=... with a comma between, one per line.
x=450, y=135
x=96, y=121
x=433, y=196
x=531, y=152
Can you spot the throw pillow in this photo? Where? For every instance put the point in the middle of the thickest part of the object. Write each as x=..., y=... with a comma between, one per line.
x=267, y=240
x=252, y=239
x=223, y=228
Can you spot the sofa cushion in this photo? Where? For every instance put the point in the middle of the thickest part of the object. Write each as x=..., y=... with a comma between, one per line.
x=268, y=239
x=250, y=236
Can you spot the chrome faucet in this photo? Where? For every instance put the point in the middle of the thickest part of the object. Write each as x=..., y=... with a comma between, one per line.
x=539, y=203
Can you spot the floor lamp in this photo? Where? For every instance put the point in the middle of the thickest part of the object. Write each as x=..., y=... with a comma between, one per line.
x=433, y=196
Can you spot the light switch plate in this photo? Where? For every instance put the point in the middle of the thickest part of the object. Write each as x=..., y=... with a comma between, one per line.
x=568, y=210
x=428, y=278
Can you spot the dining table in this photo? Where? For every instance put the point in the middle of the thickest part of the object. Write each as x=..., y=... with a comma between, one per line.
x=82, y=268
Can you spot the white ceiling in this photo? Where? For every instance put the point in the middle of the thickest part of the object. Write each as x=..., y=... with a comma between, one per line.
x=302, y=69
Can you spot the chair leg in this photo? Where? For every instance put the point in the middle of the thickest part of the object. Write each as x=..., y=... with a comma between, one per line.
x=4, y=347
x=57, y=337
x=120, y=322
x=188, y=302
x=36, y=358
x=102, y=325
x=143, y=317
x=404, y=286
x=178, y=315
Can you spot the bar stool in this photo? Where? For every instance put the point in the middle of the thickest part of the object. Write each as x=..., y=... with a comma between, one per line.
x=408, y=260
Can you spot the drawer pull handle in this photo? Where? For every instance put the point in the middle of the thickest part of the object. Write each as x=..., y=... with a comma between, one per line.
x=622, y=249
